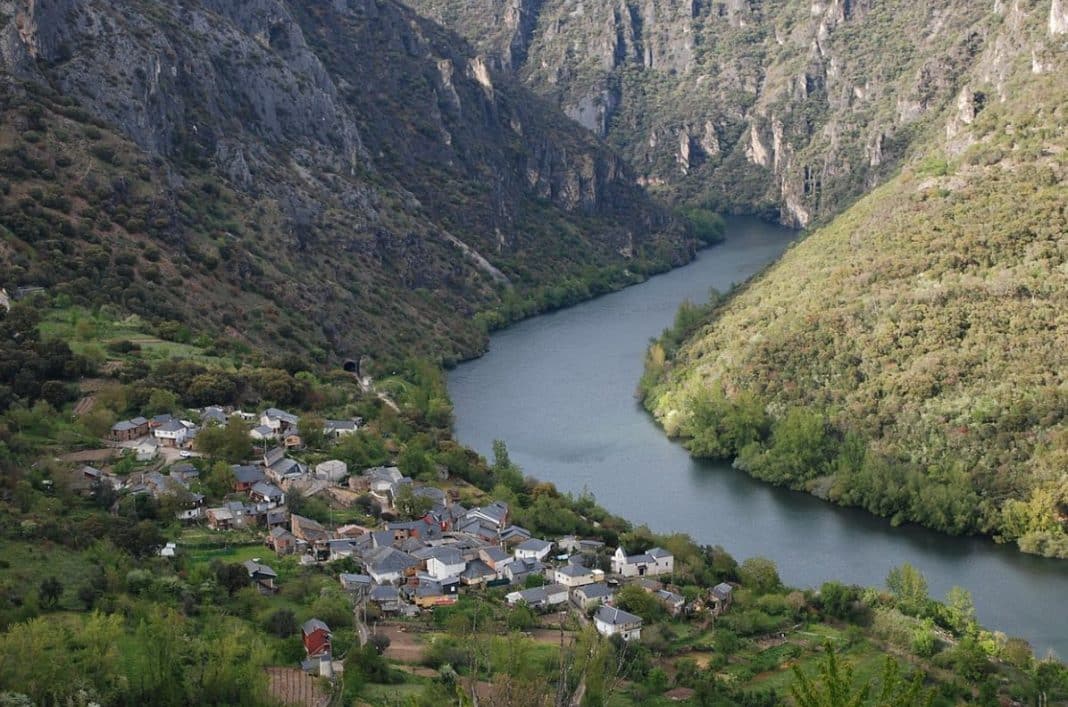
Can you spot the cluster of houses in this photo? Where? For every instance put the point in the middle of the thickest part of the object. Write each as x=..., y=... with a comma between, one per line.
x=177, y=484
x=152, y=433
x=271, y=426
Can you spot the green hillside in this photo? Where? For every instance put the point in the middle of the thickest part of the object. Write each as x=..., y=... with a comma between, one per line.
x=327, y=179
x=909, y=358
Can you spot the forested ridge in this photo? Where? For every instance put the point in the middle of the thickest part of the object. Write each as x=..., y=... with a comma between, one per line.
x=909, y=357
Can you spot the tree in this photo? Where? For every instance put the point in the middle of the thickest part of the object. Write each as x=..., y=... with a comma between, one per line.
x=219, y=480
x=636, y=600
x=960, y=609
x=230, y=443
x=837, y=599
x=281, y=623
x=409, y=504
x=139, y=539
x=161, y=401
x=504, y=470
x=98, y=421
x=834, y=686
x=760, y=575
x=909, y=587
x=230, y=576
x=312, y=431
x=49, y=592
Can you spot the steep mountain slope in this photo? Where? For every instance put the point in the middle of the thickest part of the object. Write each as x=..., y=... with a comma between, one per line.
x=910, y=357
x=790, y=108
x=333, y=177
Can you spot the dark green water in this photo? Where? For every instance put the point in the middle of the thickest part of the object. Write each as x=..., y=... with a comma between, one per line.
x=559, y=389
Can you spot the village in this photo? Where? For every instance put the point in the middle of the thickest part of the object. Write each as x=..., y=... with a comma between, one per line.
x=424, y=550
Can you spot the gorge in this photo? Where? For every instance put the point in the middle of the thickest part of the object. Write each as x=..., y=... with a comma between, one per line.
x=559, y=390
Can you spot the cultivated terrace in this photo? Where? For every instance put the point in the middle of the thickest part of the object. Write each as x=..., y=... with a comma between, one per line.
x=187, y=521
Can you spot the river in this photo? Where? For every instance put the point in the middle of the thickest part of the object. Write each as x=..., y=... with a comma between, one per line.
x=559, y=390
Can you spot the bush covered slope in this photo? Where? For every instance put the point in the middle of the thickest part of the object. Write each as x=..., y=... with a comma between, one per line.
x=332, y=177
x=910, y=357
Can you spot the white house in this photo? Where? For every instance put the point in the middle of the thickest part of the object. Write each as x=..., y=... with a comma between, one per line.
x=146, y=451
x=340, y=428
x=533, y=549
x=654, y=562
x=171, y=433
x=279, y=421
x=539, y=597
x=445, y=562
x=573, y=575
x=387, y=565
x=611, y=621
x=592, y=595
x=333, y=470
x=261, y=433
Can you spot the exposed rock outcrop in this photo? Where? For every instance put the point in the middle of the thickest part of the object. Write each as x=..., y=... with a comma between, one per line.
x=358, y=128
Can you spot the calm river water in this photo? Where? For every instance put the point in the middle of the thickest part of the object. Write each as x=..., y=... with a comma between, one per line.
x=559, y=389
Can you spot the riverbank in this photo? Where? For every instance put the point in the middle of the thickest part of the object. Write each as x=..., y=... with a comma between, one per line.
x=559, y=389
x=591, y=284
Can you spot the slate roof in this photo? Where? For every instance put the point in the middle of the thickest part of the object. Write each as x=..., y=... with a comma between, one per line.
x=446, y=555
x=670, y=597
x=658, y=553
x=382, y=538
x=388, y=560
x=266, y=490
x=273, y=456
x=477, y=569
x=524, y=566
x=410, y=545
x=213, y=414
x=574, y=571
x=616, y=617
x=534, y=545
x=597, y=590
x=384, y=592
x=539, y=595
x=248, y=474
x=495, y=554
x=255, y=568
x=276, y=414
x=495, y=512
x=312, y=625
x=513, y=531
x=285, y=467
x=722, y=590
x=348, y=580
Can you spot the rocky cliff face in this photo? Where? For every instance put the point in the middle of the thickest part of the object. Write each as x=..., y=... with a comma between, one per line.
x=363, y=144
x=784, y=107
